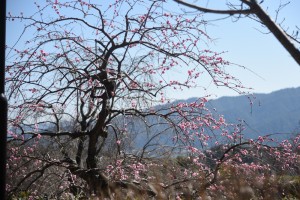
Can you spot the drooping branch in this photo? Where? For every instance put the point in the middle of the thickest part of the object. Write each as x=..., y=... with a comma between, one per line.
x=213, y=11
x=258, y=11
x=281, y=36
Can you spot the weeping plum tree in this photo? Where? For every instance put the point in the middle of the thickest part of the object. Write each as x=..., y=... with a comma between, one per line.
x=82, y=74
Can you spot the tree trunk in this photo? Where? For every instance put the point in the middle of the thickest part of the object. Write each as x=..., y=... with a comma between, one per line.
x=98, y=184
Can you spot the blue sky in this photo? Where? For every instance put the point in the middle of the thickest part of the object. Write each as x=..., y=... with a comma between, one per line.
x=270, y=66
x=273, y=68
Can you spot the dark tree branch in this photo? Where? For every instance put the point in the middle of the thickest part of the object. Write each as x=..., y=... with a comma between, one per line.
x=207, y=10
x=264, y=18
x=281, y=36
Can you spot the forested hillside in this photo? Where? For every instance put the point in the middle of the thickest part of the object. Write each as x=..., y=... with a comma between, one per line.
x=277, y=112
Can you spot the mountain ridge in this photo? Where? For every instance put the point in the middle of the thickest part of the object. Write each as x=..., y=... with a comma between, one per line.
x=275, y=112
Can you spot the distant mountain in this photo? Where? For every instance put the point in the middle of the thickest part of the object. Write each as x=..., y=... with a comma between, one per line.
x=276, y=112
